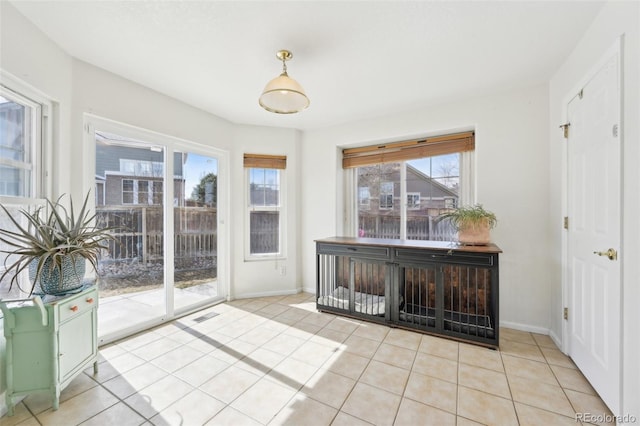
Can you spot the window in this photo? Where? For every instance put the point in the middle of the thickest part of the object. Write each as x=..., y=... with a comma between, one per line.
x=386, y=196
x=364, y=197
x=136, y=191
x=19, y=145
x=425, y=173
x=264, y=177
x=413, y=201
x=24, y=131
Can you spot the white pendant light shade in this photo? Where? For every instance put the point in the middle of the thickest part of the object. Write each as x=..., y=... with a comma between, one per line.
x=283, y=95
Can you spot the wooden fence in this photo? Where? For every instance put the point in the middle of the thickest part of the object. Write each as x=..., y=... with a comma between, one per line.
x=139, y=234
x=418, y=228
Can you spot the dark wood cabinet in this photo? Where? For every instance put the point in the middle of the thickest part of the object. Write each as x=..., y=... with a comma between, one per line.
x=430, y=286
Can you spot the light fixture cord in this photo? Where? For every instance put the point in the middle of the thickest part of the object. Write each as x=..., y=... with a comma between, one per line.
x=284, y=65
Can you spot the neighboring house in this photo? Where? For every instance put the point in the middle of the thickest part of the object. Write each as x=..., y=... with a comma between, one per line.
x=133, y=176
x=426, y=196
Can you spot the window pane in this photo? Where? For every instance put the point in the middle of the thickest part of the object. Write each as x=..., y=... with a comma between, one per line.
x=381, y=217
x=16, y=147
x=265, y=232
x=264, y=221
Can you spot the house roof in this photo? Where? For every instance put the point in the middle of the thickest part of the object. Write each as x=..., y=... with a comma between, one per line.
x=355, y=59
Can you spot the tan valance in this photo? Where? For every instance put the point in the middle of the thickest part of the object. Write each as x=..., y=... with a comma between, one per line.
x=408, y=150
x=264, y=161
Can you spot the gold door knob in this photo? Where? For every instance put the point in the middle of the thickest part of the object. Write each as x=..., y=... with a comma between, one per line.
x=611, y=254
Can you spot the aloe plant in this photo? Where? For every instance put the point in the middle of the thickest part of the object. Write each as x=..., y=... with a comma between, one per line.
x=470, y=216
x=51, y=234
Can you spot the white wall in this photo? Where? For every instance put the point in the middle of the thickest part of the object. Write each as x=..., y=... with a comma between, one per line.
x=615, y=19
x=512, y=179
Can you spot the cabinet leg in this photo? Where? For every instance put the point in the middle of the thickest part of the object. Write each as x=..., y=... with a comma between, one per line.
x=56, y=398
x=95, y=368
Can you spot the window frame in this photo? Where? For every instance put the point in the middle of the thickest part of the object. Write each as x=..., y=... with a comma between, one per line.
x=280, y=208
x=413, y=205
x=42, y=141
x=389, y=201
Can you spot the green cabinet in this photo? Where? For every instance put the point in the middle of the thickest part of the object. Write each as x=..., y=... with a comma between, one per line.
x=49, y=344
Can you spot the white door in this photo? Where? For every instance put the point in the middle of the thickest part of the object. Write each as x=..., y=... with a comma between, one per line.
x=594, y=210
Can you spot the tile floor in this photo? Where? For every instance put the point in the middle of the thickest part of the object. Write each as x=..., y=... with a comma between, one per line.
x=277, y=361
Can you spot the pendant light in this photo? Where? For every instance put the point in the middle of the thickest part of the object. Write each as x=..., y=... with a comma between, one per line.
x=283, y=95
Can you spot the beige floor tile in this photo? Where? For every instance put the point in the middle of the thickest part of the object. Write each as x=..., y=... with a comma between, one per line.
x=481, y=357
x=484, y=380
x=158, y=396
x=79, y=408
x=263, y=400
x=195, y=408
x=313, y=353
x=516, y=336
x=41, y=401
x=403, y=338
x=556, y=357
x=119, y=414
x=134, y=380
x=344, y=419
x=439, y=347
x=372, y=404
x=522, y=350
x=210, y=342
x=329, y=337
x=372, y=331
x=302, y=410
x=114, y=367
x=531, y=416
x=318, y=319
x=156, y=348
x=528, y=369
x=139, y=340
x=591, y=405
x=361, y=346
x=232, y=417
x=431, y=391
x=544, y=341
x=273, y=309
x=229, y=384
x=260, y=361
x=395, y=355
x=259, y=335
x=31, y=421
x=344, y=325
x=329, y=388
x=540, y=395
x=461, y=421
x=201, y=370
x=301, y=330
x=283, y=344
x=485, y=408
x=571, y=378
x=296, y=314
x=347, y=364
x=177, y=358
x=105, y=353
x=415, y=413
x=436, y=366
x=385, y=376
x=20, y=414
x=292, y=373
x=233, y=351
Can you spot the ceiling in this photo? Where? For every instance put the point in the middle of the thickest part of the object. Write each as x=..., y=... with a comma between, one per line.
x=356, y=60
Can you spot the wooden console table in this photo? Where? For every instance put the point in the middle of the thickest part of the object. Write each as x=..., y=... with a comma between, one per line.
x=430, y=286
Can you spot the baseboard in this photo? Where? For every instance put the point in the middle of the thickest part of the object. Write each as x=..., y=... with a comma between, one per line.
x=556, y=339
x=525, y=327
x=266, y=294
x=311, y=290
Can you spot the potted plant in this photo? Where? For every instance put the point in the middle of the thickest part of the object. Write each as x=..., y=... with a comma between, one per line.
x=473, y=224
x=53, y=246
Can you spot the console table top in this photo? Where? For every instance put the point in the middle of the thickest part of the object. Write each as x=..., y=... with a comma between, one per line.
x=420, y=244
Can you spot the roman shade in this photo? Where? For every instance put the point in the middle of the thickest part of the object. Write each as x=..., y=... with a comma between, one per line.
x=408, y=150
x=264, y=161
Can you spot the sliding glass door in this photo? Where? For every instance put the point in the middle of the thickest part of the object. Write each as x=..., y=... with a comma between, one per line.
x=161, y=198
